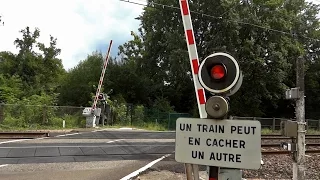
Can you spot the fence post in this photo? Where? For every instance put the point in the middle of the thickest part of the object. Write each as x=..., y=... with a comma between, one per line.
x=273, y=124
x=44, y=114
x=1, y=112
x=169, y=120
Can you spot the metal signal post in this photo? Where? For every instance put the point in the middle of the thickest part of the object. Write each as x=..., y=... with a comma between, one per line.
x=297, y=129
x=225, y=146
x=220, y=75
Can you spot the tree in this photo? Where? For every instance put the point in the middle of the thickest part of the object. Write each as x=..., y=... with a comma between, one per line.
x=39, y=72
x=31, y=73
x=127, y=76
x=10, y=89
x=81, y=82
x=265, y=56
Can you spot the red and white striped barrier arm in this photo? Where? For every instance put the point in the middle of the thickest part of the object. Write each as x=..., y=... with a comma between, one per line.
x=193, y=55
x=101, y=78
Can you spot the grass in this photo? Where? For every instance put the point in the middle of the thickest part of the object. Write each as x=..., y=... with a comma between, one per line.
x=266, y=131
x=35, y=127
x=154, y=127
x=313, y=131
x=146, y=126
x=142, y=125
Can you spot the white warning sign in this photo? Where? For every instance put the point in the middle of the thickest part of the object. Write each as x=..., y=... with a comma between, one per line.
x=223, y=143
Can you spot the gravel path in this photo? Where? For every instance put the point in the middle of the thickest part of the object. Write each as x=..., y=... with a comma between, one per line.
x=275, y=167
x=280, y=167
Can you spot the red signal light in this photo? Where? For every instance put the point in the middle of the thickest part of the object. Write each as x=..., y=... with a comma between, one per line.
x=100, y=96
x=218, y=71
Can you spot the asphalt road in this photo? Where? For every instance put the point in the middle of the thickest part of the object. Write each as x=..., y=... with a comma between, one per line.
x=107, y=154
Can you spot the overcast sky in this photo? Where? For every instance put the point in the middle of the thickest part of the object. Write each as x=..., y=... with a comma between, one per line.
x=81, y=26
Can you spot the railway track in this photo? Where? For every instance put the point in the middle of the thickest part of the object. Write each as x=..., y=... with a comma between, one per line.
x=281, y=138
x=278, y=145
x=275, y=147
x=272, y=152
x=270, y=135
x=23, y=135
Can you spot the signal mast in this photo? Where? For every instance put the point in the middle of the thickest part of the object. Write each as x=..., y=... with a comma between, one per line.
x=220, y=75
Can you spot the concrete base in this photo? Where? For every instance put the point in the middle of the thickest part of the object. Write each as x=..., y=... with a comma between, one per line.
x=91, y=121
x=231, y=174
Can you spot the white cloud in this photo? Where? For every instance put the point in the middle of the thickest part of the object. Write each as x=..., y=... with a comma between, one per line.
x=77, y=24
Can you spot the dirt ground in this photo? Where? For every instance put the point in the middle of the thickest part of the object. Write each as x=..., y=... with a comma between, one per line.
x=166, y=175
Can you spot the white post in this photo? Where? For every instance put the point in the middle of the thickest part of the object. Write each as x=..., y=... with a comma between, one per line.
x=295, y=171
x=63, y=123
x=195, y=169
x=188, y=168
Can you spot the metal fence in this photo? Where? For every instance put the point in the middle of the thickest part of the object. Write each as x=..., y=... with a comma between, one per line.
x=268, y=123
x=15, y=116
x=274, y=123
x=41, y=116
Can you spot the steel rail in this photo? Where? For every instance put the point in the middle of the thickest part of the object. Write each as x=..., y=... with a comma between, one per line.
x=23, y=135
x=310, y=151
x=278, y=145
x=270, y=135
x=279, y=138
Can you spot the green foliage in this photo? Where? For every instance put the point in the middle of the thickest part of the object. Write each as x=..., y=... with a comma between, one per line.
x=153, y=126
x=27, y=115
x=29, y=79
x=152, y=71
x=139, y=115
x=38, y=72
x=266, y=57
x=10, y=89
x=162, y=104
x=26, y=112
x=78, y=86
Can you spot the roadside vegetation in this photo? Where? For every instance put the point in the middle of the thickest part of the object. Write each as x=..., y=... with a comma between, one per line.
x=152, y=70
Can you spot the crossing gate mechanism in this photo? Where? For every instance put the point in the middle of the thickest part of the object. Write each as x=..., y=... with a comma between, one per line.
x=93, y=113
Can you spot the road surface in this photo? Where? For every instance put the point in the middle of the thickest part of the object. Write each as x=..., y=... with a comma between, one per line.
x=103, y=154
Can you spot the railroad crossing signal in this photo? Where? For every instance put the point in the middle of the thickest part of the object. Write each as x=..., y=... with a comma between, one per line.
x=206, y=141
x=219, y=74
x=101, y=97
